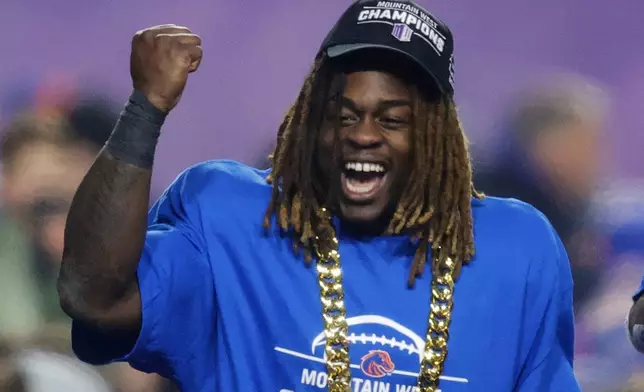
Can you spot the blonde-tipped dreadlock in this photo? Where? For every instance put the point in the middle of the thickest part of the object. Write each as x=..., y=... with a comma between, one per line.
x=435, y=207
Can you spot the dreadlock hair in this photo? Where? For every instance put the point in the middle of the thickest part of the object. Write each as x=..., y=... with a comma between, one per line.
x=435, y=207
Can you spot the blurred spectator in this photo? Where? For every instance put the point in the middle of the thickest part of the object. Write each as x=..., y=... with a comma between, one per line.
x=550, y=159
x=52, y=343
x=46, y=371
x=635, y=384
x=19, y=294
x=610, y=359
x=45, y=153
x=44, y=157
x=11, y=380
x=44, y=366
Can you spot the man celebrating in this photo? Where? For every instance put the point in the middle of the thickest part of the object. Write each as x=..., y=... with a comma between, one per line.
x=349, y=265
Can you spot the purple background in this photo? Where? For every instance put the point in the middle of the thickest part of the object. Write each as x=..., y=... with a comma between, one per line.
x=257, y=52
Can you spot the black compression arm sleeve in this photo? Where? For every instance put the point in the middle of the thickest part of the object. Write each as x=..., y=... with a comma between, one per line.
x=137, y=131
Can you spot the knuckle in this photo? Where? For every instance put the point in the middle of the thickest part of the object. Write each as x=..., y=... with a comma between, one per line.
x=138, y=35
x=181, y=51
x=165, y=26
x=176, y=44
x=163, y=39
x=145, y=34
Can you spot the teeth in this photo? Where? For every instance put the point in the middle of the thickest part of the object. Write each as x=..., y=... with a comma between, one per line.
x=364, y=167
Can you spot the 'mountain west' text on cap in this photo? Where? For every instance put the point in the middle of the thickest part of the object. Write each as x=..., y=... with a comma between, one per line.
x=403, y=27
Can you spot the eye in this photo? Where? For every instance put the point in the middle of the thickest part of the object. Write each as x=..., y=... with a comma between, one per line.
x=392, y=122
x=347, y=119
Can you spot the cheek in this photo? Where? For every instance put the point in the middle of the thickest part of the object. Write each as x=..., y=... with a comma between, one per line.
x=400, y=144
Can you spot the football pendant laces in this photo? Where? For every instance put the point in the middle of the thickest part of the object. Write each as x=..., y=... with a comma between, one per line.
x=334, y=314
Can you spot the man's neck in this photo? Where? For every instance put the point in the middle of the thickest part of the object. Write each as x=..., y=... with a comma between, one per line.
x=362, y=229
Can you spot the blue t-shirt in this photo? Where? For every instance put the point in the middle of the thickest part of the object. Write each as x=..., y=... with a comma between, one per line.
x=229, y=307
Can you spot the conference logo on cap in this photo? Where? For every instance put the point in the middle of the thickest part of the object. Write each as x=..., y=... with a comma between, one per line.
x=407, y=21
x=402, y=32
x=403, y=27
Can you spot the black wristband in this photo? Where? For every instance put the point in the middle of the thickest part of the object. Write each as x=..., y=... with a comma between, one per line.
x=135, y=136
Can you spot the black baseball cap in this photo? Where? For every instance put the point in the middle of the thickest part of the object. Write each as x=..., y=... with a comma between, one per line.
x=401, y=27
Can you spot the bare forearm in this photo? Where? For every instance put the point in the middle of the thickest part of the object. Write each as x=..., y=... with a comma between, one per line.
x=106, y=225
x=105, y=231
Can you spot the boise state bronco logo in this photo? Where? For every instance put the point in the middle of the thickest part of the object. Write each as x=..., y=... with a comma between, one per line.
x=377, y=364
x=385, y=356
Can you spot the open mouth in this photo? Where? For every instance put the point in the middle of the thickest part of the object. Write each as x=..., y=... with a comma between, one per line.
x=362, y=180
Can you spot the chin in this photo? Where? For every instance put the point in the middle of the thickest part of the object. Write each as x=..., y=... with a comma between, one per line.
x=369, y=218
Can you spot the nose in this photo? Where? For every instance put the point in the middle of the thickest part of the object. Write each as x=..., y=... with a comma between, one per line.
x=365, y=134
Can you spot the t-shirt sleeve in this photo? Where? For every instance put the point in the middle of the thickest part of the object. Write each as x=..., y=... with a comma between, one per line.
x=176, y=286
x=549, y=363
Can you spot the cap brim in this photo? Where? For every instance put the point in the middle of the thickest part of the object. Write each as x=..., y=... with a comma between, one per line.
x=341, y=50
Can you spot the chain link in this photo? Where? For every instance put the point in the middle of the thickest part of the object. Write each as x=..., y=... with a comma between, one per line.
x=334, y=314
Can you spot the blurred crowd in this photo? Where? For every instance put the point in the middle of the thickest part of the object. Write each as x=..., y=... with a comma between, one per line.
x=552, y=152
x=47, y=144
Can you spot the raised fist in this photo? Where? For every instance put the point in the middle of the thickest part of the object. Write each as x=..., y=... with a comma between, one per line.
x=161, y=59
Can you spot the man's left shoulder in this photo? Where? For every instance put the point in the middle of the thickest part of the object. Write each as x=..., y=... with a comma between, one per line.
x=522, y=235
x=505, y=216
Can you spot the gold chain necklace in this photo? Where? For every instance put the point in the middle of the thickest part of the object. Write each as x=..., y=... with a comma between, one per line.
x=334, y=314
